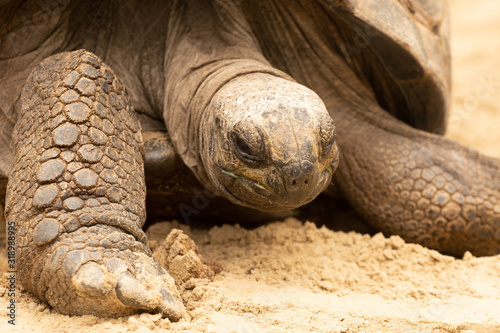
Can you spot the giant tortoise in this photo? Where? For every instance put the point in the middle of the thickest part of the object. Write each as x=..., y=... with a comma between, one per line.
x=234, y=98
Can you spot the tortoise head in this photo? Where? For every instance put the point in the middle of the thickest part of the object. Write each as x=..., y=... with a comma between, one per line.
x=268, y=143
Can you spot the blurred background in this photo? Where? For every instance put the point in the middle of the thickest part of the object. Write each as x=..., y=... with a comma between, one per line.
x=475, y=49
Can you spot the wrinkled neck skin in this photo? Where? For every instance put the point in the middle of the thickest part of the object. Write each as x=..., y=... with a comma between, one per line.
x=206, y=48
x=213, y=59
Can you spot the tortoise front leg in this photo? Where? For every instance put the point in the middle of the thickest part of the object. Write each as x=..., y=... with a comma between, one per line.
x=77, y=194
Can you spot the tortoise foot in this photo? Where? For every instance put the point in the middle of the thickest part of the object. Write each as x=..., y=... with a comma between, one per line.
x=77, y=194
x=102, y=271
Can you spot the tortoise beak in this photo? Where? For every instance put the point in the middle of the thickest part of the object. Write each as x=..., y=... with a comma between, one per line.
x=302, y=182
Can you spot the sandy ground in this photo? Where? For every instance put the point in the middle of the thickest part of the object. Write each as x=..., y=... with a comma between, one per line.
x=293, y=277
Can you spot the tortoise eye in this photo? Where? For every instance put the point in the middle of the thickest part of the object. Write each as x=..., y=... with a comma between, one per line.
x=243, y=147
x=248, y=144
x=327, y=135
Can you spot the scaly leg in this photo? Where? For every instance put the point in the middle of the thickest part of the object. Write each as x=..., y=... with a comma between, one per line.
x=77, y=195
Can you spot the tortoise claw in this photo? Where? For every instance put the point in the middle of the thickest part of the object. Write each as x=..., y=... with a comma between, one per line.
x=90, y=279
x=169, y=307
x=134, y=294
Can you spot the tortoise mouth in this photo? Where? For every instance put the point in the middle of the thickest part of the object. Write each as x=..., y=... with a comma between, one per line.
x=248, y=192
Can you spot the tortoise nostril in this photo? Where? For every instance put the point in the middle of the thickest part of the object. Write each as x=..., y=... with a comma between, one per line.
x=294, y=182
x=298, y=176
